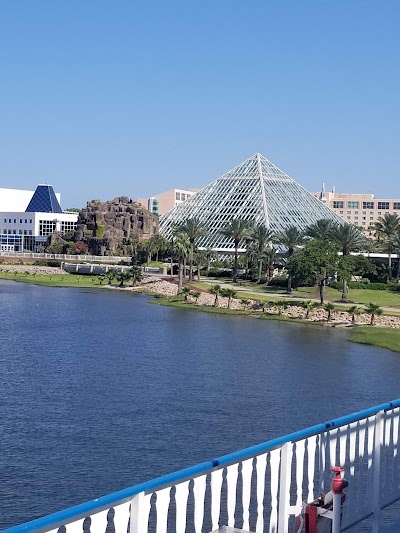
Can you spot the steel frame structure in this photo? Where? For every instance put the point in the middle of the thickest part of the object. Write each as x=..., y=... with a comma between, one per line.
x=256, y=191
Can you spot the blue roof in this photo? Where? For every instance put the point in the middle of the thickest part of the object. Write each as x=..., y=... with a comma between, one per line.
x=44, y=200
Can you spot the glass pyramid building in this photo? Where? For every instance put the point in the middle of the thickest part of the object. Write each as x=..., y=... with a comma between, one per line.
x=44, y=200
x=257, y=191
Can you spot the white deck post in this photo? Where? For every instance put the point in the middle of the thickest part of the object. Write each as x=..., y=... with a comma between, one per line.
x=378, y=437
x=136, y=518
x=284, y=487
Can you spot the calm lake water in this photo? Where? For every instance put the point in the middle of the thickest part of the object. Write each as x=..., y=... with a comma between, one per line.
x=101, y=390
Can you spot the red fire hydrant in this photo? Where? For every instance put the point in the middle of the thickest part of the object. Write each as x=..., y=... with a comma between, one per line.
x=338, y=485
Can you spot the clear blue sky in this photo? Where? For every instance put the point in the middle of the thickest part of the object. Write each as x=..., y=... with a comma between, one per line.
x=107, y=98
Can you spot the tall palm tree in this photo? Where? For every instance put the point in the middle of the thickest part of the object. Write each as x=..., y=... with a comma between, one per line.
x=321, y=230
x=270, y=258
x=291, y=238
x=396, y=245
x=210, y=255
x=386, y=228
x=181, y=249
x=237, y=229
x=193, y=229
x=122, y=276
x=261, y=237
x=373, y=310
x=216, y=290
x=200, y=259
x=350, y=239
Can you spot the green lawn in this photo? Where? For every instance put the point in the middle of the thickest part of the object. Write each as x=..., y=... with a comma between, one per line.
x=360, y=296
x=55, y=280
x=385, y=337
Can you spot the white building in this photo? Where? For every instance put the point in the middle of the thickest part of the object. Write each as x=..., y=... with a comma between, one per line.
x=28, y=229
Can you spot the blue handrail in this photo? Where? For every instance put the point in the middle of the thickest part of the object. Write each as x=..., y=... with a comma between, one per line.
x=87, y=508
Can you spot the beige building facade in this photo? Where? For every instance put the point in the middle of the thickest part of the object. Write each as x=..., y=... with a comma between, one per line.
x=362, y=210
x=165, y=201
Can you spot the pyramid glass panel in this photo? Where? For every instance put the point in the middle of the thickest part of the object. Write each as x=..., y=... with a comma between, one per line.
x=44, y=200
x=257, y=191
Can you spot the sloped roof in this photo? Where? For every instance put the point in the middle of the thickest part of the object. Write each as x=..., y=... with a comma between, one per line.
x=44, y=200
x=257, y=191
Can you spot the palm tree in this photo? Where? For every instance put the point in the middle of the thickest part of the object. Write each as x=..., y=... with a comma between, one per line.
x=210, y=256
x=193, y=229
x=353, y=312
x=309, y=306
x=271, y=259
x=386, y=229
x=237, y=229
x=200, y=260
x=396, y=245
x=350, y=239
x=321, y=230
x=122, y=276
x=196, y=295
x=245, y=302
x=181, y=249
x=373, y=310
x=329, y=308
x=186, y=292
x=136, y=274
x=281, y=305
x=261, y=236
x=110, y=275
x=228, y=293
x=291, y=238
x=216, y=289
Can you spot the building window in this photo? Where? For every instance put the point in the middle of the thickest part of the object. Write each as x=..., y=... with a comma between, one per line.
x=383, y=205
x=352, y=205
x=371, y=218
x=47, y=227
x=338, y=205
x=9, y=220
x=396, y=205
x=25, y=232
x=5, y=221
x=30, y=232
x=20, y=231
x=177, y=196
x=368, y=205
x=363, y=223
x=348, y=218
x=349, y=212
x=26, y=221
x=15, y=220
x=183, y=196
x=379, y=213
x=341, y=212
x=355, y=218
x=30, y=221
x=14, y=231
x=68, y=226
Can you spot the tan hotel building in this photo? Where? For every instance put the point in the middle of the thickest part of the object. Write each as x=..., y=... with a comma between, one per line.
x=165, y=201
x=362, y=210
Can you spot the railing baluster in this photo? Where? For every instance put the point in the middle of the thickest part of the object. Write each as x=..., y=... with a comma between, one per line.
x=395, y=442
x=121, y=517
x=333, y=438
x=284, y=486
x=98, y=522
x=247, y=470
x=140, y=510
x=311, y=447
x=162, y=505
x=199, y=491
x=75, y=527
x=342, y=436
x=274, y=464
x=181, y=498
x=300, y=451
x=322, y=460
x=231, y=482
x=261, y=466
x=216, y=484
x=378, y=441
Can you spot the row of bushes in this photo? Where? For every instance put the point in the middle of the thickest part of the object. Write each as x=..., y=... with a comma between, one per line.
x=363, y=285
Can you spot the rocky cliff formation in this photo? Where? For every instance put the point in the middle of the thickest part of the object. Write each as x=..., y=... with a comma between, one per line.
x=114, y=227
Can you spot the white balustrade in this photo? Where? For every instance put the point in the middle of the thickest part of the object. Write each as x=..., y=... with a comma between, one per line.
x=262, y=490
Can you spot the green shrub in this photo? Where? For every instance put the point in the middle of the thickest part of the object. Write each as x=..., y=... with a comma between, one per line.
x=220, y=273
x=49, y=263
x=279, y=281
x=100, y=230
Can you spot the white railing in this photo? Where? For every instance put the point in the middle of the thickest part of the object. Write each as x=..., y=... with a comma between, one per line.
x=66, y=257
x=259, y=489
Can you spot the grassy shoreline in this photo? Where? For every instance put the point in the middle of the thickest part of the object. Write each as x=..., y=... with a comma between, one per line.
x=388, y=338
